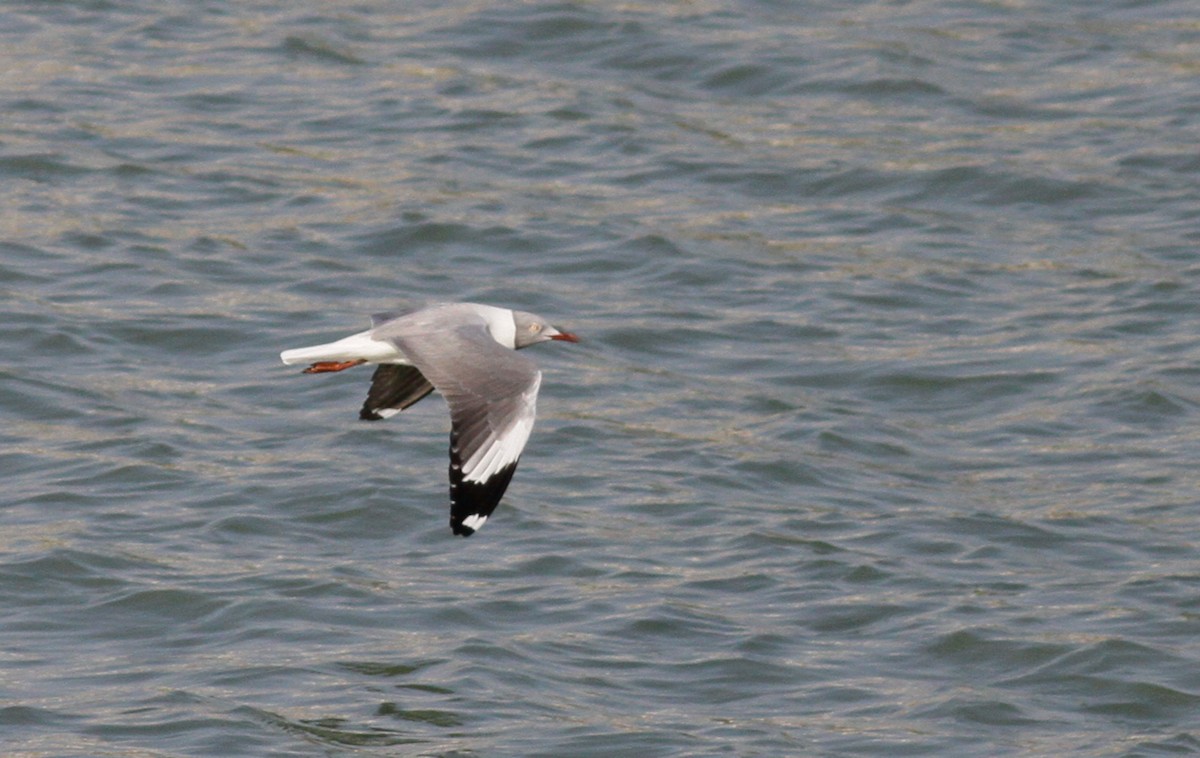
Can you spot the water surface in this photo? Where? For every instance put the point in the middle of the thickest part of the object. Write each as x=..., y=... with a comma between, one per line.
x=882, y=440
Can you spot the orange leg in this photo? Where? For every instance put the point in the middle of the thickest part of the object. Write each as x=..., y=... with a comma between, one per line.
x=326, y=366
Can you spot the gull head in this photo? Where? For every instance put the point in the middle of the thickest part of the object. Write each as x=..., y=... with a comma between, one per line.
x=532, y=329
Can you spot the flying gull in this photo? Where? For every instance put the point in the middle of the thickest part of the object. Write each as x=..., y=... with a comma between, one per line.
x=459, y=349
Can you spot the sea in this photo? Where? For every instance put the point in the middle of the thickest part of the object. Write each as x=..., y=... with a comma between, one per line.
x=882, y=437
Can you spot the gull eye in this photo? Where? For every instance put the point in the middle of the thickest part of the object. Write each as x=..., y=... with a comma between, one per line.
x=535, y=328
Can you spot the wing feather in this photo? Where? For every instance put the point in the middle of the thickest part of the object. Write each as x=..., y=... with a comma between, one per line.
x=394, y=387
x=492, y=394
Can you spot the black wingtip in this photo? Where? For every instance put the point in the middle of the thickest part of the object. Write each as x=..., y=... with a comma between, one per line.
x=473, y=502
x=366, y=414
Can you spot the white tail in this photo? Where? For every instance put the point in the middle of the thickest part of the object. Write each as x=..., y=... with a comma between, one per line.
x=359, y=346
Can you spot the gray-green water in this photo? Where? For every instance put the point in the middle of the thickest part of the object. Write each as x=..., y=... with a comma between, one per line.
x=883, y=439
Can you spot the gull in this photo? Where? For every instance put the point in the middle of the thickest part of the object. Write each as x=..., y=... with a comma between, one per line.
x=465, y=352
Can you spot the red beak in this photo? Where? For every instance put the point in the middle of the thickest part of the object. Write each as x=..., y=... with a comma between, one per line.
x=565, y=337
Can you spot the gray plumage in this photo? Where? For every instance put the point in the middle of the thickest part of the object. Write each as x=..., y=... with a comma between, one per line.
x=465, y=352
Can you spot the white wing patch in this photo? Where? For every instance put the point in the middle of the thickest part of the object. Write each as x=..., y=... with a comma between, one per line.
x=474, y=522
x=506, y=448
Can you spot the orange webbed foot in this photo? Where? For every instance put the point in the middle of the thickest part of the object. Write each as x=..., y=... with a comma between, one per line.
x=324, y=367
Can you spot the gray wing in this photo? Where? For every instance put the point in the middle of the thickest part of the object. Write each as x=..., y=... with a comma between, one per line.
x=492, y=393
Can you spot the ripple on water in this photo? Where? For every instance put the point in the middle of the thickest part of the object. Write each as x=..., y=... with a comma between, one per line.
x=880, y=441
